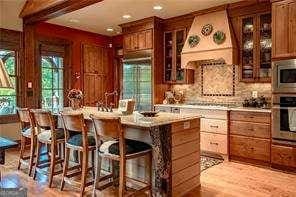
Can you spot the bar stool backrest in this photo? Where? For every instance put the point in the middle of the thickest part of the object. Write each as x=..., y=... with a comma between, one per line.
x=107, y=126
x=26, y=118
x=44, y=121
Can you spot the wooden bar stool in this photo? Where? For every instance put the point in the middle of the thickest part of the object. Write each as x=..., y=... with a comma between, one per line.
x=80, y=142
x=28, y=131
x=48, y=134
x=121, y=150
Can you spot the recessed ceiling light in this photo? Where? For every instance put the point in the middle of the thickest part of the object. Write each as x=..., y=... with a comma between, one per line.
x=110, y=29
x=74, y=20
x=157, y=7
x=126, y=16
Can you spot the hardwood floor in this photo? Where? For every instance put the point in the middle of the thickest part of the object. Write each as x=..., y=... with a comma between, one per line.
x=227, y=179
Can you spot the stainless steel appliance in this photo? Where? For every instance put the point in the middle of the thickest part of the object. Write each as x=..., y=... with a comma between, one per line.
x=284, y=76
x=137, y=81
x=284, y=117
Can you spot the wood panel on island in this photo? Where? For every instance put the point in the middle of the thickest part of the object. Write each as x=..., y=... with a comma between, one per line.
x=250, y=137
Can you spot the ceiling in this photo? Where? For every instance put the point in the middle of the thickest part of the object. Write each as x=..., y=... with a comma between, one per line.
x=9, y=14
x=108, y=13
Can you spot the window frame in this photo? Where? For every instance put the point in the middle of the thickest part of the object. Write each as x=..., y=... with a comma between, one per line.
x=12, y=40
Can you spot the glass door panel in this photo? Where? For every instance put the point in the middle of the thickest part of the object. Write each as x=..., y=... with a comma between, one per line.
x=265, y=46
x=52, y=88
x=180, y=40
x=247, y=48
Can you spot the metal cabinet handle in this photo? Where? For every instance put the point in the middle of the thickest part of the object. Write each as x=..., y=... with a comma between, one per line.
x=214, y=126
x=214, y=143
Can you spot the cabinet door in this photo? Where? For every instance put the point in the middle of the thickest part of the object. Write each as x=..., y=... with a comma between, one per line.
x=280, y=29
x=141, y=40
x=148, y=39
x=248, y=51
x=292, y=29
x=127, y=42
x=134, y=42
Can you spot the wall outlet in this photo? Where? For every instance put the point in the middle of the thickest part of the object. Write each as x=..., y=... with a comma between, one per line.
x=254, y=94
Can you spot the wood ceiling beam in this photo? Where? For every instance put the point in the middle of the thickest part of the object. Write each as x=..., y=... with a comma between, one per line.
x=54, y=9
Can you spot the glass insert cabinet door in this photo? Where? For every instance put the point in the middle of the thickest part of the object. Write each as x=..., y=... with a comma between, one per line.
x=52, y=94
x=137, y=83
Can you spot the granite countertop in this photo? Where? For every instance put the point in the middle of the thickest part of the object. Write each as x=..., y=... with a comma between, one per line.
x=214, y=107
x=135, y=119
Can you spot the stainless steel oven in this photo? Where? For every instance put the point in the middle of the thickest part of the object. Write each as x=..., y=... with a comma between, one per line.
x=284, y=117
x=284, y=76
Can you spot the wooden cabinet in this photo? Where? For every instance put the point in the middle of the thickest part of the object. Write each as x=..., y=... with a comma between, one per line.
x=284, y=29
x=173, y=45
x=283, y=155
x=138, y=41
x=249, y=139
x=95, y=67
x=255, y=45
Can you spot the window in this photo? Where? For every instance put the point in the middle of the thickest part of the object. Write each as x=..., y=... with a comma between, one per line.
x=52, y=70
x=8, y=96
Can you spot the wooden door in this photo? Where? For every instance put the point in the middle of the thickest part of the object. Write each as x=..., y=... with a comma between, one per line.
x=280, y=30
x=95, y=64
x=292, y=29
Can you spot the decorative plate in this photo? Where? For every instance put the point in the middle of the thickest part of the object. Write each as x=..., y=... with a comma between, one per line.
x=219, y=37
x=207, y=29
x=149, y=113
x=193, y=40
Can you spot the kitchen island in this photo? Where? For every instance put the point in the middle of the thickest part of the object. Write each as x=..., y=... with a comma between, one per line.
x=175, y=140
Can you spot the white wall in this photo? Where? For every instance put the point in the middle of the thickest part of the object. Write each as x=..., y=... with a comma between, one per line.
x=9, y=14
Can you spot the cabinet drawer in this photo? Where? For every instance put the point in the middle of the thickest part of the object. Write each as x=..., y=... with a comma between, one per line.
x=283, y=155
x=259, y=117
x=206, y=113
x=250, y=148
x=213, y=142
x=213, y=125
x=184, y=125
x=260, y=130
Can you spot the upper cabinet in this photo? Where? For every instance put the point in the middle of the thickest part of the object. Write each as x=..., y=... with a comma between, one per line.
x=138, y=41
x=255, y=47
x=173, y=44
x=284, y=29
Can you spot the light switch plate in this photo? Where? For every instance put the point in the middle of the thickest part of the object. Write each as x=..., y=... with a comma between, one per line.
x=254, y=94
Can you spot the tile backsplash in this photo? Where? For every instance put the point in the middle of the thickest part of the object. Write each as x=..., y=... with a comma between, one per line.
x=193, y=92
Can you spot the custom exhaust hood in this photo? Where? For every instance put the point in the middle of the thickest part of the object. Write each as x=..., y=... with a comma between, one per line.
x=207, y=49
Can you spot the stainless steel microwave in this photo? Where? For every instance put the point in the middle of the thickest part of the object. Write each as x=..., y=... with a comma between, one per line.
x=284, y=76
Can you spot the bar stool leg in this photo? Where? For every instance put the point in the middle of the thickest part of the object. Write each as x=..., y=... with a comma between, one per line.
x=122, y=178
x=32, y=154
x=22, y=149
x=84, y=171
x=39, y=144
x=65, y=169
x=52, y=163
x=97, y=172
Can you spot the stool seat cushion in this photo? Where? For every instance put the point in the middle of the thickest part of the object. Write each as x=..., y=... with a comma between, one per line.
x=132, y=146
x=45, y=135
x=76, y=140
x=27, y=132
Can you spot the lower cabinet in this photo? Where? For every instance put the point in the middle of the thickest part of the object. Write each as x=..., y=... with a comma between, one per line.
x=250, y=148
x=249, y=139
x=283, y=155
